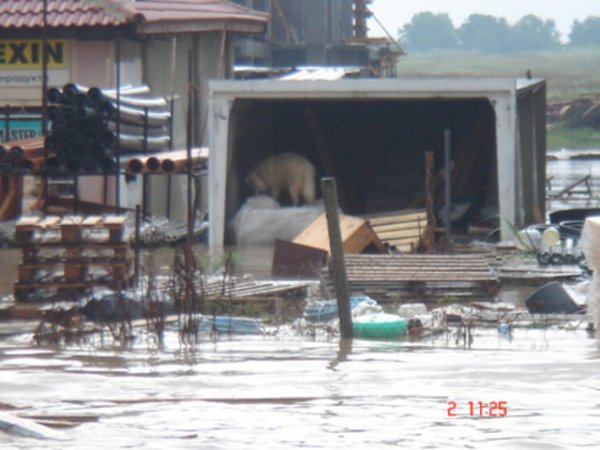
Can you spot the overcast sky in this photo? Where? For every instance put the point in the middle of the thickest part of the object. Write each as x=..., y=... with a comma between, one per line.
x=394, y=14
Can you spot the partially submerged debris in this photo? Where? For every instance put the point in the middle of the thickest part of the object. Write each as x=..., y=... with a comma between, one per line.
x=552, y=298
x=357, y=235
x=379, y=325
x=426, y=278
x=326, y=310
x=25, y=428
x=230, y=325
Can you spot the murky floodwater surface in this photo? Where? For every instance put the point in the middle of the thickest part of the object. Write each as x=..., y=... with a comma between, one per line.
x=284, y=391
x=289, y=392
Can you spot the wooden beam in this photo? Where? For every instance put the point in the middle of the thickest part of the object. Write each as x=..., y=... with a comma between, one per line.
x=337, y=254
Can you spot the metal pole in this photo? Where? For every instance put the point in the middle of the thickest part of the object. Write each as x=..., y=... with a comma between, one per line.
x=169, y=178
x=146, y=110
x=189, y=148
x=188, y=242
x=118, y=151
x=145, y=196
x=145, y=183
x=76, y=192
x=447, y=190
x=7, y=124
x=429, y=202
x=105, y=190
x=45, y=103
x=137, y=245
x=337, y=255
x=45, y=71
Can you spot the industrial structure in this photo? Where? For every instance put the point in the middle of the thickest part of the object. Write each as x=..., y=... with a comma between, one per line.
x=172, y=46
x=318, y=33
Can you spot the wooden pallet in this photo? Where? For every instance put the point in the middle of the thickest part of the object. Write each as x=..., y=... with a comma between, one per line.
x=68, y=229
x=43, y=290
x=70, y=255
x=72, y=270
x=402, y=230
x=419, y=277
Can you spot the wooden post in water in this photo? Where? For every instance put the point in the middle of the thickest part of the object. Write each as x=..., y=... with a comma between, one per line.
x=337, y=255
x=138, y=224
x=429, y=202
x=447, y=190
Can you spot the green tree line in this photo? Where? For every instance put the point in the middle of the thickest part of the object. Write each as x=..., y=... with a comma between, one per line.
x=480, y=32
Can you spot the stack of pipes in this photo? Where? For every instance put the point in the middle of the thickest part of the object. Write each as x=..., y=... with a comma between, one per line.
x=22, y=157
x=90, y=127
x=167, y=162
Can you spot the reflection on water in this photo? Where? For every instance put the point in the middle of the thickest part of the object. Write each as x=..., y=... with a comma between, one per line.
x=269, y=392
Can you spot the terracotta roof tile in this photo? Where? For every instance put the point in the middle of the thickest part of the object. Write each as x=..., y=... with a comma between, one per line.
x=78, y=13
x=61, y=13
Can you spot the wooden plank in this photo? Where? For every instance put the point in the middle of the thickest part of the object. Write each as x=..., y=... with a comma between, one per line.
x=297, y=261
x=86, y=244
x=402, y=246
x=70, y=229
x=416, y=263
x=27, y=222
x=89, y=260
x=398, y=226
x=427, y=277
x=71, y=220
x=403, y=229
x=50, y=221
x=356, y=235
x=441, y=269
x=412, y=233
x=92, y=221
x=401, y=258
x=397, y=220
x=396, y=217
x=249, y=289
x=114, y=220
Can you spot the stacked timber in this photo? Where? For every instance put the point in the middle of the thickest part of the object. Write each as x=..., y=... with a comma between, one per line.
x=70, y=256
x=423, y=278
x=90, y=127
x=402, y=231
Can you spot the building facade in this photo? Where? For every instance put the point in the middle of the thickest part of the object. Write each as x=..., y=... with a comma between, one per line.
x=172, y=46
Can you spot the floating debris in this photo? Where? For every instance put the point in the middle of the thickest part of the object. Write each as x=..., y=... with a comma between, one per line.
x=230, y=325
x=325, y=310
x=25, y=428
x=381, y=325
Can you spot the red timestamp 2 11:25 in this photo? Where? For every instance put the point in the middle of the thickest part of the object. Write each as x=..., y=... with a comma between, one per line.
x=478, y=409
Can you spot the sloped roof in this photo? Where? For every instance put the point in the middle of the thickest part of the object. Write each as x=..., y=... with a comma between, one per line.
x=148, y=16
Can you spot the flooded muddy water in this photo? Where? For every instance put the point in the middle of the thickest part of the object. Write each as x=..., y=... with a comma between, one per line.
x=284, y=392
